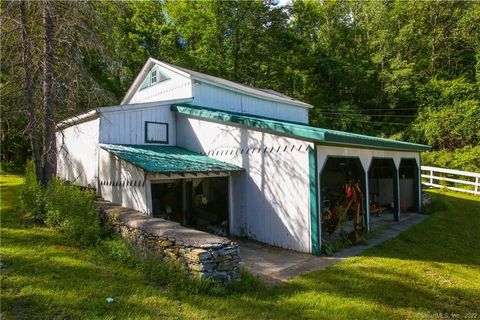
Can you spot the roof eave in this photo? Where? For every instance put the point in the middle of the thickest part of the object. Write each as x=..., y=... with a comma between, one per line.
x=387, y=144
x=284, y=101
x=84, y=117
x=126, y=107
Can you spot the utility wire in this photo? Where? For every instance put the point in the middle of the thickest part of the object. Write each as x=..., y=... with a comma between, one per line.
x=370, y=115
x=380, y=109
x=373, y=122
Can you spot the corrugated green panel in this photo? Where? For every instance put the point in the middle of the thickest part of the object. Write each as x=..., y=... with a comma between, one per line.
x=167, y=159
x=299, y=130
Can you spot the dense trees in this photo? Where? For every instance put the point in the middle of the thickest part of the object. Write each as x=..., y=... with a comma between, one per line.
x=399, y=69
x=44, y=77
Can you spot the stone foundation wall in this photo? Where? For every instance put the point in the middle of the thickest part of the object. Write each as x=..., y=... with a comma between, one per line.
x=202, y=254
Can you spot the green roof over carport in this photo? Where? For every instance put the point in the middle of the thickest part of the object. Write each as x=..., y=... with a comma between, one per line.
x=168, y=159
x=298, y=130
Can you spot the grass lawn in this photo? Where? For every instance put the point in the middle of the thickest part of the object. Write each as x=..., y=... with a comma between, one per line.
x=430, y=269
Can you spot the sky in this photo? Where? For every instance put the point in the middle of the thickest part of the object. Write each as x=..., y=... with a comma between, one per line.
x=283, y=2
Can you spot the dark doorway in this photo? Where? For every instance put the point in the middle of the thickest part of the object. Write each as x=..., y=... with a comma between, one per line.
x=409, y=186
x=337, y=178
x=383, y=188
x=167, y=200
x=208, y=205
x=200, y=203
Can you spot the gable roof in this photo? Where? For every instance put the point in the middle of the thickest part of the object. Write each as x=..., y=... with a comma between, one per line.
x=215, y=81
x=298, y=130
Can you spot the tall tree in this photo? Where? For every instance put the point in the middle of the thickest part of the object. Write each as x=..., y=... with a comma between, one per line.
x=44, y=51
x=49, y=140
x=28, y=90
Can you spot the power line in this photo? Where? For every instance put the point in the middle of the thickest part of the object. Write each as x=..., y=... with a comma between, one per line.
x=374, y=121
x=379, y=109
x=371, y=115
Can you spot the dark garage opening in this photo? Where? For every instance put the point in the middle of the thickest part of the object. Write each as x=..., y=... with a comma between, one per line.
x=200, y=203
x=382, y=188
x=336, y=179
x=408, y=174
x=166, y=202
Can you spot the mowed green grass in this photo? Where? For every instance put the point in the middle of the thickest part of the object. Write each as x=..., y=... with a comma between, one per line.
x=430, y=269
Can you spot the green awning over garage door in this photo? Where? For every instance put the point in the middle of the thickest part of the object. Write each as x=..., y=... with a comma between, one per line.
x=168, y=159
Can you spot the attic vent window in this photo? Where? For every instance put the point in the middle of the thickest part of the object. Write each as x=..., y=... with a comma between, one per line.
x=156, y=132
x=154, y=77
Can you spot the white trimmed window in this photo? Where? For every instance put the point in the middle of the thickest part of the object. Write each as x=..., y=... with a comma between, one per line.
x=156, y=132
x=154, y=77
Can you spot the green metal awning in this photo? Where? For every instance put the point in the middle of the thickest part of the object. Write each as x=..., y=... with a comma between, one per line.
x=298, y=130
x=168, y=159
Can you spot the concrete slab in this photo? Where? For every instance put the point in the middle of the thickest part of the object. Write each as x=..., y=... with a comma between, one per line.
x=276, y=265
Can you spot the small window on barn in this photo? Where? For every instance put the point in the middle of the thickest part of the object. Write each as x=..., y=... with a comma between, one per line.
x=154, y=77
x=156, y=132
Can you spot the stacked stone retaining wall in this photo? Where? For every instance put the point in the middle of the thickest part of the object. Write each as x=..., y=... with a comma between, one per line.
x=202, y=254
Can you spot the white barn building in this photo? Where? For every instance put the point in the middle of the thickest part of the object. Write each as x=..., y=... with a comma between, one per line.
x=217, y=155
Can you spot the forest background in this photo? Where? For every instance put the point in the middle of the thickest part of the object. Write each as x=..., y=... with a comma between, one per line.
x=405, y=70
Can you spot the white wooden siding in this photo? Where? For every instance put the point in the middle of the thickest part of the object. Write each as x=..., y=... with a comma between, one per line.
x=77, y=153
x=177, y=87
x=122, y=183
x=180, y=86
x=128, y=127
x=210, y=96
x=271, y=198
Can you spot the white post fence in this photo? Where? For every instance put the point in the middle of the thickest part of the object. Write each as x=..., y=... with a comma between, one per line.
x=442, y=178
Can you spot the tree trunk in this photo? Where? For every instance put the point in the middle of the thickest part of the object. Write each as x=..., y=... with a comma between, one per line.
x=49, y=141
x=32, y=127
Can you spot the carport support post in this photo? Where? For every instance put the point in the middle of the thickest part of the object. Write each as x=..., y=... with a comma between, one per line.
x=396, y=194
x=315, y=224
x=367, y=201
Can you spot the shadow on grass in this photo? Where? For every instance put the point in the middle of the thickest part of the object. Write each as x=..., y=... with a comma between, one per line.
x=400, y=276
x=450, y=235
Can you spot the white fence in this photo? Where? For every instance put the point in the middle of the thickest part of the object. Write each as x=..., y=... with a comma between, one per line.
x=451, y=179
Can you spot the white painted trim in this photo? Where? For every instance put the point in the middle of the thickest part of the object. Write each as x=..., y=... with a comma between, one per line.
x=148, y=195
x=459, y=172
x=433, y=177
x=142, y=106
x=84, y=117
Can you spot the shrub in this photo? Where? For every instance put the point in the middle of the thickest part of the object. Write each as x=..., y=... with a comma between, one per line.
x=61, y=206
x=12, y=168
x=465, y=159
x=119, y=250
x=448, y=114
x=72, y=211
x=32, y=197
